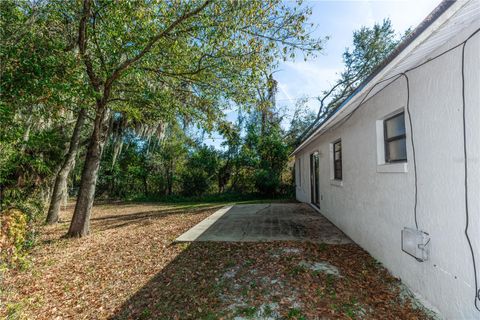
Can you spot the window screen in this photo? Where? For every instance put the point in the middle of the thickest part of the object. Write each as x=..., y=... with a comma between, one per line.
x=395, y=138
x=337, y=160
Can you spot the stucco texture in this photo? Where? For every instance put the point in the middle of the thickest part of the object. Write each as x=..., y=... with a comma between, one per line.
x=373, y=207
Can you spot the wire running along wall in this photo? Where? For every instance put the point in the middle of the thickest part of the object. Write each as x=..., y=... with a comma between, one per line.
x=404, y=74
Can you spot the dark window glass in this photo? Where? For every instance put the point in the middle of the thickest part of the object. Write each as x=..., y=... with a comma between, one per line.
x=337, y=160
x=395, y=138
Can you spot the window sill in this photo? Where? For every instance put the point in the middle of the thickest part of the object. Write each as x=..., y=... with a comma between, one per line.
x=338, y=183
x=392, y=168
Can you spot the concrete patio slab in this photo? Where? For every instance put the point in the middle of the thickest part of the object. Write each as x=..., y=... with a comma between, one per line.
x=266, y=222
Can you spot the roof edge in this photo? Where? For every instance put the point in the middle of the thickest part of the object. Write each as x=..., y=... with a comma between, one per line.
x=438, y=11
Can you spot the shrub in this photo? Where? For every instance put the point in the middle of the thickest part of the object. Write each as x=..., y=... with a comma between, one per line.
x=200, y=173
x=13, y=236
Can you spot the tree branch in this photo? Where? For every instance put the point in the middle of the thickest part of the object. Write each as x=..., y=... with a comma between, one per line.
x=82, y=45
x=151, y=43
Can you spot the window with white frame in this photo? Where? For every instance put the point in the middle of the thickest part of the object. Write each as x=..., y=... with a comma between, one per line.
x=337, y=160
x=394, y=135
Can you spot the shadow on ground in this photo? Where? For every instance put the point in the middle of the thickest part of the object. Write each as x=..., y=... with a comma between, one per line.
x=270, y=280
x=110, y=216
x=139, y=218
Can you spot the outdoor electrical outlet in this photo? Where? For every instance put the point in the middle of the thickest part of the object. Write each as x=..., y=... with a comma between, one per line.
x=416, y=243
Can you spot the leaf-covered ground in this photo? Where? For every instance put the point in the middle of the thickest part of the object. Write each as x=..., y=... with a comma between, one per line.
x=129, y=268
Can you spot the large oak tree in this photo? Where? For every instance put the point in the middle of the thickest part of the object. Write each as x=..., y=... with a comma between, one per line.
x=152, y=60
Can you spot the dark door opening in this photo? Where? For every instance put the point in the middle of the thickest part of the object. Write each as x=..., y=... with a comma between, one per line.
x=314, y=179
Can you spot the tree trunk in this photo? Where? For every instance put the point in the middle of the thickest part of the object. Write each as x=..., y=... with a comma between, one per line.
x=145, y=186
x=26, y=135
x=47, y=195
x=61, y=181
x=170, y=178
x=264, y=123
x=80, y=224
x=117, y=149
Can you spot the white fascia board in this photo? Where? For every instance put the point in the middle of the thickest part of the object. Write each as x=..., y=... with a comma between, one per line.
x=402, y=55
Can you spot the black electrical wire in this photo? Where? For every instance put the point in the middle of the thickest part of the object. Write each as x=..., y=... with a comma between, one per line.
x=363, y=101
x=398, y=75
x=414, y=157
x=465, y=154
x=404, y=74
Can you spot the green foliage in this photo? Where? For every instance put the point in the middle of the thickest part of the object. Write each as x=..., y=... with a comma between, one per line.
x=40, y=88
x=263, y=157
x=144, y=168
x=370, y=47
x=144, y=73
x=126, y=177
x=295, y=313
x=166, y=67
x=183, y=58
x=177, y=164
x=13, y=237
x=227, y=197
x=273, y=156
x=200, y=171
x=303, y=116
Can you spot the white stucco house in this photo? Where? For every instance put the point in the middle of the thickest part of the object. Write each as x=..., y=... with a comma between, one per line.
x=397, y=166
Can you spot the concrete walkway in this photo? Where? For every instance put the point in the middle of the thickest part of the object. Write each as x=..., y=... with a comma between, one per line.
x=266, y=222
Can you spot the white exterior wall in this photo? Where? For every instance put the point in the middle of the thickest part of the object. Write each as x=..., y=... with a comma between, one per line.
x=373, y=207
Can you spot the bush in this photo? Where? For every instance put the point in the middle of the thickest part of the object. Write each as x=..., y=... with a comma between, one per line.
x=200, y=173
x=13, y=236
x=195, y=182
x=267, y=182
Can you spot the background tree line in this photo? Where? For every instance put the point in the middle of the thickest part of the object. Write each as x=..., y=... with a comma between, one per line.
x=103, y=98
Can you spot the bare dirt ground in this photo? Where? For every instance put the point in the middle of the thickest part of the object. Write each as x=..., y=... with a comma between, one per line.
x=130, y=268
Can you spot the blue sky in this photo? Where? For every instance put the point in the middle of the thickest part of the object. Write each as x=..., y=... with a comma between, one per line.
x=338, y=20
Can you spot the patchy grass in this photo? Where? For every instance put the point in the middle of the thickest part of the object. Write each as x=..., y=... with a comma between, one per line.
x=130, y=269
x=295, y=313
x=216, y=198
x=247, y=311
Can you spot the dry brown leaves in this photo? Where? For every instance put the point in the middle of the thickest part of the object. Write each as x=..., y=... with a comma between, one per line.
x=91, y=277
x=129, y=269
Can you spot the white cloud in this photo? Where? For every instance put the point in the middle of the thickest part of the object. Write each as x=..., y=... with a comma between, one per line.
x=298, y=79
x=339, y=19
x=284, y=93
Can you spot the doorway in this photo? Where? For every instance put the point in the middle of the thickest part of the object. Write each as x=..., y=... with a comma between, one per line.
x=315, y=179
